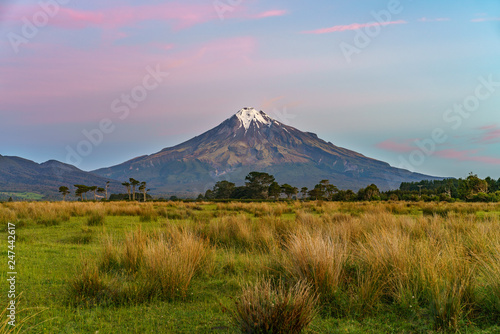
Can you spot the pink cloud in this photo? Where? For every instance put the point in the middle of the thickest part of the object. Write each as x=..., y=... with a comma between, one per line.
x=439, y=19
x=354, y=26
x=180, y=15
x=399, y=147
x=486, y=19
x=271, y=13
x=105, y=73
x=467, y=155
x=491, y=134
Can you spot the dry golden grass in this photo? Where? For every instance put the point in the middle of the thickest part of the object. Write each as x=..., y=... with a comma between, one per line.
x=268, y=308
x=440, y=260
x=159, y=264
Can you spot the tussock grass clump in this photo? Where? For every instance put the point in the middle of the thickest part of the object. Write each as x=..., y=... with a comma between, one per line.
x=268, y=308
x=169, y=267
x=148, y=215
x=7, y=215
x=83, y=238
x=146, y=266
x=88, y=287
x=132, y=253
x=489, y=289
x=448, y=284
x=433, y=210
x=317, y=259
x=96, y=218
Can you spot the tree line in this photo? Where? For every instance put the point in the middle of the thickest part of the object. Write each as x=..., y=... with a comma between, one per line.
x=264, y=186
x=82, y=190
x=470, y=189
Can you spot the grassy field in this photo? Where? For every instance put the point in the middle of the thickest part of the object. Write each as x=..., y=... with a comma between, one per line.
x=327, y=267
x=23, y=196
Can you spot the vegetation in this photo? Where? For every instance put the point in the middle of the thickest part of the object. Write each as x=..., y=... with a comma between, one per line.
x=261, y=186
x=316, y=266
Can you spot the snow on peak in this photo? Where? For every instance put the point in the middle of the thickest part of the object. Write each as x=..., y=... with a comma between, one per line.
x=248, y=115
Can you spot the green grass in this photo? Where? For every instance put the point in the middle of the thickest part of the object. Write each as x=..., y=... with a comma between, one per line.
x=24, y=196
x=48, y=257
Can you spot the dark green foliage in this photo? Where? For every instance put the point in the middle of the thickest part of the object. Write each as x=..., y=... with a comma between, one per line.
x=223, y=190
x=274, y=190
x=258, y=184
x=370, y=193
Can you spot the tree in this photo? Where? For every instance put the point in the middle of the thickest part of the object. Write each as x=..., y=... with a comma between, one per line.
x=471, y=186
x=303, y=191
x=101, y=190
x=258, y=184
x=127, y=185
x=241, y=193
x=323, y=189
x=93, y=189
x=344, y=195
x=209, y=194
x=79, y=193
x=274, y=190
x=134, y=183
x=330, y=190
x=223, y=189
x=289, y=190
x=106, y=190
x=142, y=188
x=369, y=193
x=317, y=193
x=80, y=190
x=64, y=191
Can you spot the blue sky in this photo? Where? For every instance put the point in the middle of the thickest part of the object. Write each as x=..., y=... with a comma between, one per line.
x=384, y=78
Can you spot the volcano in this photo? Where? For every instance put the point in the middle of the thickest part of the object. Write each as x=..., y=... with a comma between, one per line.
x=248, y=141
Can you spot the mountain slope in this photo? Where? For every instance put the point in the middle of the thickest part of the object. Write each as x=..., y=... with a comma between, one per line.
x=252, y=141
x=22, y=175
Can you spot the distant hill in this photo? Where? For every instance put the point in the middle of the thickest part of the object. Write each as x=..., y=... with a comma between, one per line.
x=30, y=179
x=249, y=141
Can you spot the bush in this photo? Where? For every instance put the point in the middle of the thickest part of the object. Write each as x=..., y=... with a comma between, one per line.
x=265, y=308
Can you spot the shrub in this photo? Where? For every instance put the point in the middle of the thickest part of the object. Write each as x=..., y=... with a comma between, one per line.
x=268, y=308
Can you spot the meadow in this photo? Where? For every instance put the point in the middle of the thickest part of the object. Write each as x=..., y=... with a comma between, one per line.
x=285, y=267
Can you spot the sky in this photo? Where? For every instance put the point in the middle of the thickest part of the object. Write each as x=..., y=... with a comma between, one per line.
x=96, y=83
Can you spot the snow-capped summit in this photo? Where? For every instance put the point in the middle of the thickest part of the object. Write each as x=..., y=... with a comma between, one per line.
x=249, y=115
x=250, y=140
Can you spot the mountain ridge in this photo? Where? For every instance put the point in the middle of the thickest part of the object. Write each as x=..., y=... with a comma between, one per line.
x=251, y=140
x=22, y=175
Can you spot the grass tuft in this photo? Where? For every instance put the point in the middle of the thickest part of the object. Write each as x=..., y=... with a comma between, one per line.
x=268, y=308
